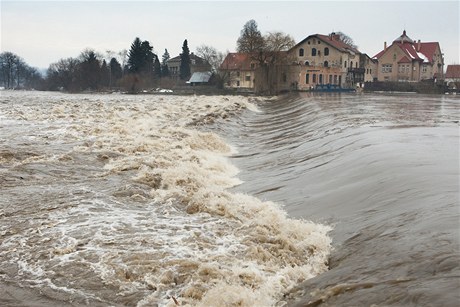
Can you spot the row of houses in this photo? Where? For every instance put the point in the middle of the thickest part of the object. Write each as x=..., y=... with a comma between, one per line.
x=326, y=60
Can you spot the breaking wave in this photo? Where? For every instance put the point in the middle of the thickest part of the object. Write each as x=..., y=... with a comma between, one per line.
x=126, y=200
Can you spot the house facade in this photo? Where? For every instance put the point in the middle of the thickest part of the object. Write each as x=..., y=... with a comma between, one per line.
x=240, y=71
x=407, y=60
x=325, y=59
x=197, y=64
x=452, y=76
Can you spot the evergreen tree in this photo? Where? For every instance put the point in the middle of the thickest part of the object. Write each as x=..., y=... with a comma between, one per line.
x=90, y=70
x=140, y=57
x=136, y=57
x=164, y=64
x=184, y=72
x=115, y=71
x=105, y=74
x=157, y=67
x=250, y=39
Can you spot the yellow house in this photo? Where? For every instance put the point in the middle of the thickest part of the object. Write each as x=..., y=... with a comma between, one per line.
x=325, y=59
x=407, y=60
x=240, y=69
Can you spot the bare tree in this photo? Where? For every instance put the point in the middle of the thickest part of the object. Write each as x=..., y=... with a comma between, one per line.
x=273, y=62
x=211, y=55
x=345, y=39
x=278, y=41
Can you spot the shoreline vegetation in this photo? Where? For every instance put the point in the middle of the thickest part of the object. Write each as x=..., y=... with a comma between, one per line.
x=208, y=90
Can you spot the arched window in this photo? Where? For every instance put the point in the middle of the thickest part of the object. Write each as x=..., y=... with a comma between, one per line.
x=326, y=64
x=326, y=51
x=301, y=52
x=313, y=52
x=345, y=64
x=351, y=64
x=320, y=78
x=307, y=78
x=307, y=63
x=314, y=78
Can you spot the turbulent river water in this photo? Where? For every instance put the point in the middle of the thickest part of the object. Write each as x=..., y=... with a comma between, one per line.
x=308, y=200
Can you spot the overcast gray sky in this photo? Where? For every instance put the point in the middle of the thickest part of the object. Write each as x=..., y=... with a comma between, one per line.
x=42, y=32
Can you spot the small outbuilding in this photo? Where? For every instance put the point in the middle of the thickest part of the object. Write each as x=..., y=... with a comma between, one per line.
x=200, y=78
x=452, y=77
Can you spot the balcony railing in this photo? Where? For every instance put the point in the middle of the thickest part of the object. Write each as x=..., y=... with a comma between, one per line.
x=357, y=70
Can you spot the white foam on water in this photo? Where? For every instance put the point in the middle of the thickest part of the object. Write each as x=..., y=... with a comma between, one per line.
x=173, y=229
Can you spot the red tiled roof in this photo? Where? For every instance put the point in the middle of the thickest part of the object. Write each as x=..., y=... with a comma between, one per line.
x=378, y=55
x=331, y=40
x=237, y=61
x=425, y=53
x=405, y=59
x=428, y=49
x=452, y=72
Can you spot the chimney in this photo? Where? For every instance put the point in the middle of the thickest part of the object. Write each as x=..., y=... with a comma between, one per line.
x=419, y=44
x=384, y=46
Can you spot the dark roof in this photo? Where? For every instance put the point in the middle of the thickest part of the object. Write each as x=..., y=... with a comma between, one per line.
x=452, y=72
x=193, y=56
x=200, y=77
x=403, y=38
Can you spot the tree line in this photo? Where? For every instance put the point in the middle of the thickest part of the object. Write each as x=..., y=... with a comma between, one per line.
x=132, y=70
x=140, y=68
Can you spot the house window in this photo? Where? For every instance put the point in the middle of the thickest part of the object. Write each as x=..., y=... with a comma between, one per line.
x=335, y=79
x=253, y=65
x=320, y=78
x=326, y=64
x=330, y=79
x=237, y=73
x=345, y=64
x=284, y=77
x=424, y=68
x=237, y=83
x=307, y=63
x=313, y=52
x=307, y=78
x=314, y=78
x=247, y=78
x=387, y=68
x=326, y=51
x=301, y=52
x=319, y=52
x=351, y=64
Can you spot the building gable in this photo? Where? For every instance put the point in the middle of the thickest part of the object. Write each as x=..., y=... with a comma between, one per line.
x=453, y=72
